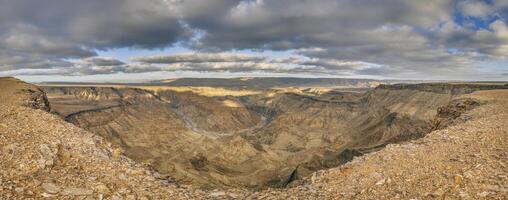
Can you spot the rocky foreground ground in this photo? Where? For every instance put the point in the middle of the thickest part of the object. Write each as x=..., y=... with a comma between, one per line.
x=42, y=156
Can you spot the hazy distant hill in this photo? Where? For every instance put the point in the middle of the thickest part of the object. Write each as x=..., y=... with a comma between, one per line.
x=270, y=82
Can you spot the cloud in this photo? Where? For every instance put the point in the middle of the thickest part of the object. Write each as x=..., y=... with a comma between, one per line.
x=103, y=61
x=96, y=23
x=234, y=67
x=390, y=38
x=35, y=33
x=475, y=8
x=95, y=65
x=29, y=39
x=287, y=24
x=32, y=72
x=491, y=42
x=416, y=38
x=199, y=58
x=240, y=63
x=76, y=67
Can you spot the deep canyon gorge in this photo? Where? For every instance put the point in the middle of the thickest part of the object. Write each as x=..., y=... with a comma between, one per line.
x=257, y=137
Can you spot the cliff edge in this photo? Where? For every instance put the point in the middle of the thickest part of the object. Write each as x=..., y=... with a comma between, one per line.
x=42, y=156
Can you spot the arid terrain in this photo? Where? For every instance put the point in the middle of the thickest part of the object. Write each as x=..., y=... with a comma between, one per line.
x=228, y=137
x=339, y=141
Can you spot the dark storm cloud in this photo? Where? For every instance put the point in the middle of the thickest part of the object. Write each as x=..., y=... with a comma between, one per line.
x=96, y=23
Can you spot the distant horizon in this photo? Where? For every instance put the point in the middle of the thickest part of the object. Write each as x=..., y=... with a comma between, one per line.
x=260, y=77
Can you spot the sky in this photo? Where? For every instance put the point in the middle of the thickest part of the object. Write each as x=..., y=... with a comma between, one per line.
x=137, y=41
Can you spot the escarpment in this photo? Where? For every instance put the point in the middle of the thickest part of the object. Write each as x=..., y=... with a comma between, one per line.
x=44, y=157
x=257, y=139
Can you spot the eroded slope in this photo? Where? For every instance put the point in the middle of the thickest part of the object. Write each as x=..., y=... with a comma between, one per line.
x=42, y=156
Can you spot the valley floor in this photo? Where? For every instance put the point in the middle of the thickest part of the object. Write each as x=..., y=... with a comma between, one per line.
x=43, y=156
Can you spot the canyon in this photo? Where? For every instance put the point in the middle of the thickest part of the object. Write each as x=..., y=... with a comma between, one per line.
x=256, y=137
x=424, y=141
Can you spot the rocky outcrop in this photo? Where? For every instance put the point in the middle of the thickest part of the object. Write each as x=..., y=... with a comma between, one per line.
x=453, y=112
x=36, y=99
